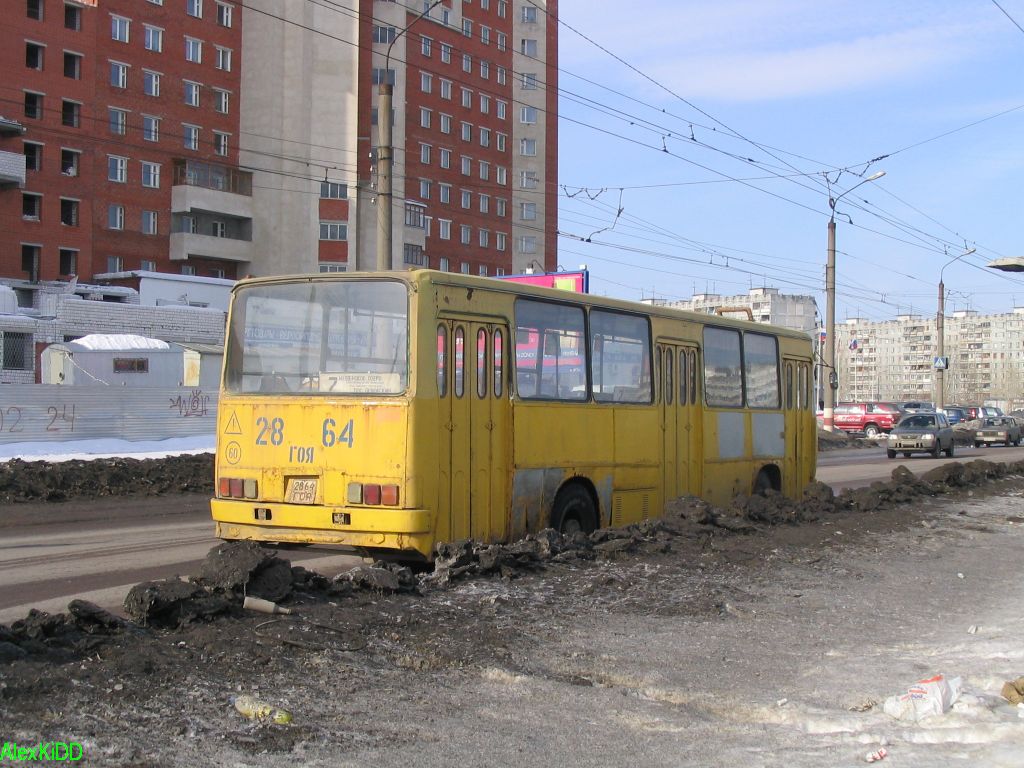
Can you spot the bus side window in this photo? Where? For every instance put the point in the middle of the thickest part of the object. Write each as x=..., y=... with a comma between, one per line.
x=499, y=368
x=442, y=360
x=682, y=377
x=481, y=363
x=693, y=376
x=669, y=386
x=460, y=361
x=789, y=386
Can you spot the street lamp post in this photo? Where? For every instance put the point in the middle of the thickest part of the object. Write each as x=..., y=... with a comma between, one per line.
x=940, y=332
x=830, y=307
x=385, y=151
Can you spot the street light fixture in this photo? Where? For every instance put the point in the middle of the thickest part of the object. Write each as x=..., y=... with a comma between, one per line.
x=940, y=332
x=830, y=305
x=385, y=204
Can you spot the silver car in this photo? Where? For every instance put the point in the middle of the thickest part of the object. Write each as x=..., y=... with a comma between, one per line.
x=997, y=429
x=921, y=433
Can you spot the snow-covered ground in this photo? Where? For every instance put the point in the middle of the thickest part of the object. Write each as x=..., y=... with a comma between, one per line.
x=106, y=448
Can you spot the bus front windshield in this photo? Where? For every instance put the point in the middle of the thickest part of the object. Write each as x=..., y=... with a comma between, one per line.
x=327, y=338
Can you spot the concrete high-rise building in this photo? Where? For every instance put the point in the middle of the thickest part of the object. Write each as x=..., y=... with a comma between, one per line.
x=894, y=359
x=764, y=305
x=173, y=137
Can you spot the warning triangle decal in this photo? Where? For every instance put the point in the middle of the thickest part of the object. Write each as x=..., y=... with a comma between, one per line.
x=233, y=427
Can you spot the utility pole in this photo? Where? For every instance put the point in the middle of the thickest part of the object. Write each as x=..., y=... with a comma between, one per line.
x=940, y=332
x=830, y=306
x=385, y=154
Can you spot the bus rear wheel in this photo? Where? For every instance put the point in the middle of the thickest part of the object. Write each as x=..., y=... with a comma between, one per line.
x=573, y=511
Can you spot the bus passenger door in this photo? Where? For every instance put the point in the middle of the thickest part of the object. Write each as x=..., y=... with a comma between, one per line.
x=481, y=431
x=792, y=402
x=681, y=420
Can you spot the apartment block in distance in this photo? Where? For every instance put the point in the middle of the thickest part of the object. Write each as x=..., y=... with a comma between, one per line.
x=474, y=134
x=126, y=115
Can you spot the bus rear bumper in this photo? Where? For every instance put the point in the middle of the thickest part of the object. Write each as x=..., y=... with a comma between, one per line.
x=376, y=528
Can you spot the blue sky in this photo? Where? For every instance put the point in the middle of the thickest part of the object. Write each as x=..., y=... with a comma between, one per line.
x=779, y=93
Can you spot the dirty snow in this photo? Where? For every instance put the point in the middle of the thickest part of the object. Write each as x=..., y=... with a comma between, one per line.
x=108, y=448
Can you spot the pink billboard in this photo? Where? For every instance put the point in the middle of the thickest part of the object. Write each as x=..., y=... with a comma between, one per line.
x=578, y=282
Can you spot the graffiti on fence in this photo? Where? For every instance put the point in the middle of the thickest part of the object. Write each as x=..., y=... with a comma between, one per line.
x=194, y=403
x=59, y=418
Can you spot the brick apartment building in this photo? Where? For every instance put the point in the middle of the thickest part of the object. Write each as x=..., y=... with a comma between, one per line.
x=166, y=135
x=129, y=115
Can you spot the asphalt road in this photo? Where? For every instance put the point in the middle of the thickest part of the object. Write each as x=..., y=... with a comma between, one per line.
x=97, y=550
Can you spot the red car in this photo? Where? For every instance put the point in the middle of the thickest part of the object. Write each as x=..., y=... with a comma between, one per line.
x=871, y=419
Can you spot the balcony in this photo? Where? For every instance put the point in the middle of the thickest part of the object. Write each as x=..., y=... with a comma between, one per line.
x=200, y=187
x=186, y=245
x=12, y=164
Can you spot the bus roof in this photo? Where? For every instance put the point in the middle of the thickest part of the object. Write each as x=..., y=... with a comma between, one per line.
x=420, y=277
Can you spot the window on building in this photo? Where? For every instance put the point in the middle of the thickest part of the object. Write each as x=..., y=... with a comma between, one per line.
x=425, y=154
x=30, y=255
x=464, y=268
x=414, y=216
x=499, y=244
x=194, y=8
x=224, y=14
x=485, y=137
x=425, y=189
x=383, y=34
x=153, y=38
x=221, y=101
x=446, y=53
x=528, y=47
x=444, y=232
x=467, y=63
x=424, y=117
x=527, y=179
x=502, y=9
x=31, y=206
x=333, y=230
x=150, y=223
x=530, y=14
x=220, y=143
x=118, y=121
x=115, y=263
x=485, y=203
x=501, y=175
x=467, y=131
x=485, y=35
x=222, y=60
x=446, y=158
x=187, y=269
x=70, y=113
x=70, y=160
x=467, y=98
x=150, y=175
x=33, y=156
x=190, y=136
x=218, y=229
x=501, y=75
x=192, y=93
x=500, y=107
x=380, y=76
x=444, y=192
x=33, y=105
x=118, y=74
x=193, y=50
x=502, y=41
x=34, y=9
x=426, y=45
x=465, y=234
x=72, y=65
x=528, y=147
x=466, y=165
x=147, y=265
x=528, y=115
x=446, y=89
x=485, y=170
x=485, y=69
x=115, y=217
x=72, y=17
x=68, y=261
x=467, y=27
x=502, y=141
x=150, y=82
x=528, y=81
x=17, y=351
x=331, y=266
x=485, y=104
x=119, y=27
x=466, y=198
x=426, y=82
x=333, y=190
x=484, y=238
x=528, y=211
x=442, y=264
x=414, y=255
x=150, y=128
x=446, y=123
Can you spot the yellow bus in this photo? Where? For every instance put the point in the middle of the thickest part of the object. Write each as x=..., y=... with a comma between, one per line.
x=393, y=411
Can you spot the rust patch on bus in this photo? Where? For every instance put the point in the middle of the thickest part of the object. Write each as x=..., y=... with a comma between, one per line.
x=533, y=492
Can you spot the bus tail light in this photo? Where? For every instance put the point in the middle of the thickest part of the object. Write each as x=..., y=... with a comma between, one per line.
x=372, y=494
x=237, y=488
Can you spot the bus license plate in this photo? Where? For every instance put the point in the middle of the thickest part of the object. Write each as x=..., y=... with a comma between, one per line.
x=301, y=491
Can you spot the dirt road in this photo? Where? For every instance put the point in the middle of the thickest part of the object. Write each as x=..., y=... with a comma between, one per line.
x=705, y=647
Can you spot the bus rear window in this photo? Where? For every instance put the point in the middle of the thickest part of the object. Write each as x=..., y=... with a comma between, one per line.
x=329, y=338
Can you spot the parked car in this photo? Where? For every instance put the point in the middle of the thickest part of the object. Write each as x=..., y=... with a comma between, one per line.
x=916, y=406
x=982, y=411
x=997, y=429
x=954, y=414
x=921, y=433
x=872, y=419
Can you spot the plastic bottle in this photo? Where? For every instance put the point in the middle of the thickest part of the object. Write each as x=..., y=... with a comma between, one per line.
x=255, y=709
